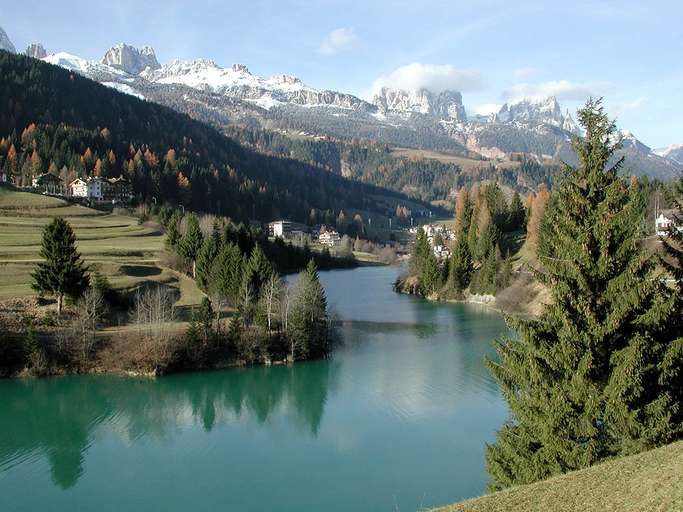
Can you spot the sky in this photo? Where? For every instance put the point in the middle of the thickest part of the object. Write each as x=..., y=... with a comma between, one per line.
x=628, y=52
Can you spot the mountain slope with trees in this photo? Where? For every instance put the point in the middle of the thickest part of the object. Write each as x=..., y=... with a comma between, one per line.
x=56, y=120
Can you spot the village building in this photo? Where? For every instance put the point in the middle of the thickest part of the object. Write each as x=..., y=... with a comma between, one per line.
x=441, y=252
x=118, y=190
x=329, y=237
x=286, y=229
x=48, y=183
x=97, y=188
x=666, y=220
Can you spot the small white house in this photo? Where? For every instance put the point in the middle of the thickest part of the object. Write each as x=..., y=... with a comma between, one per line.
x=94, y=188
x=79, y=188
x=666, y=220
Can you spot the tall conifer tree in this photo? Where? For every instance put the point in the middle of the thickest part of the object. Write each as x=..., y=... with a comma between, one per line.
x=596, y=374
x=191, y=243
x=62, y=271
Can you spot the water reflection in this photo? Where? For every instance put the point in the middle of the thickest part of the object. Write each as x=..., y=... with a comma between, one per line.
x=407, y=386
x=58, y=417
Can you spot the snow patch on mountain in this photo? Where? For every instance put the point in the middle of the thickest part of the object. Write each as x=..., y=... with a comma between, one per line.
x=82, y=66
x=124, y=88
x=674, y=152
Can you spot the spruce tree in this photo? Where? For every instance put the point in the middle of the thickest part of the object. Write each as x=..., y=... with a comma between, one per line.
x=595, y=375
x=506, y=273
x=227, y=273
x=191, y=243
x=62, y=271
x=460, y=265
x=172, y=233
x=430, y=280
x=205, y=259
x=516, y=213
x=308, y=324
x=257, y=271
x=419, y=254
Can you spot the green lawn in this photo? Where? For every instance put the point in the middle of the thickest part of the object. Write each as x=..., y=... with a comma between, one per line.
x=648, y=482
x=115, y=245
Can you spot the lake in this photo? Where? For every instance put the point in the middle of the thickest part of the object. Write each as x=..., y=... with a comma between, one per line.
x=396, y=420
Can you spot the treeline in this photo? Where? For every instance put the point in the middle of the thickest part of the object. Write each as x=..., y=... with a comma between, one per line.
x=238, y=269
x=483, y=218
x=55, y=120
x=423, y=179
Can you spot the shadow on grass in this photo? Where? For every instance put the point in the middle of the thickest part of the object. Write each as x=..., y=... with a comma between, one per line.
x=140, y=270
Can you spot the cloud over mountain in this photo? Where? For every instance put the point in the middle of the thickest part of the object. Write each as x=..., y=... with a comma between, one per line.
x=338, y=40
x=560, y=89
x=433, y=77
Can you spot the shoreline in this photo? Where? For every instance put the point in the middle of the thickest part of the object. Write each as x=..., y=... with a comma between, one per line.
x=506, y=302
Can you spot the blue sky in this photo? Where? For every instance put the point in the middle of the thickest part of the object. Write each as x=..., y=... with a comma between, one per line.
x=629, y=52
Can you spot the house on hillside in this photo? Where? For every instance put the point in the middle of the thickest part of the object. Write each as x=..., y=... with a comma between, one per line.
x=48, y=183
x=668, y=219
x=118, y=190
x=92, y=188
x=330, y=238
x=97, y=188
x=286, y=229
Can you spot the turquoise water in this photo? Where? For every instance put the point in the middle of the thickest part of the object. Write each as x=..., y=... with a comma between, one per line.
x=395, y=420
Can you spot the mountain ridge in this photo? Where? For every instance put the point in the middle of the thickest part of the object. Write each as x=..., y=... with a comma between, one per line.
x=414, y=118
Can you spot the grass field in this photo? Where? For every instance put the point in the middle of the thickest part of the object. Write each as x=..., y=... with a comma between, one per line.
x=115, y=245
x=650, y=481
x=465, y=163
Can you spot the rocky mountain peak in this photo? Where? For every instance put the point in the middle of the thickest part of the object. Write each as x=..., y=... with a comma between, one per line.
x=534, y=112
x=286, y=79
x=446, y=104
x=36, y=51
x=674, y=153
x=240, y=68
x=5, y=43
x=129, y=59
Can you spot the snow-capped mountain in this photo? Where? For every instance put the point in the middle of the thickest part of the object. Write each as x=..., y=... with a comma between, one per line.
x=674, y=152
x=238, y=82
x=131, y=60
x=628, y=140
x=36, y=51
x=444, y=105
x=413, y=118
x=534, y=112
x=5, y=43
x=89, y=68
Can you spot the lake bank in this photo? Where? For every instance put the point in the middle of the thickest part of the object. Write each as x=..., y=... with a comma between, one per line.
x=524, y=296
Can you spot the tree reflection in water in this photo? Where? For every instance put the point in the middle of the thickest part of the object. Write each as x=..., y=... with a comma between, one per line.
x=57, y=418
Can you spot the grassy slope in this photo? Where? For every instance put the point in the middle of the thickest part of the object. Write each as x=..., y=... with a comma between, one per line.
x=650, y=481
x=115, y=245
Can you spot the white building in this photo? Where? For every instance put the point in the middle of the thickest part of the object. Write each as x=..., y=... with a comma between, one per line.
x=286, y=229
x=93, y=188
x=667, y=219
x=330, y=238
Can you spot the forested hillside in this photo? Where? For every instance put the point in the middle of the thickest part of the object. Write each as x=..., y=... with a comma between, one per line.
x=55, y=120
x=375, y=163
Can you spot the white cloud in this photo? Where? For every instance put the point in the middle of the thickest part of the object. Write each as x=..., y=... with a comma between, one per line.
x=635, y=104
x=487, y=109
x=435, y=78
x=561, y=89
x=338, y=40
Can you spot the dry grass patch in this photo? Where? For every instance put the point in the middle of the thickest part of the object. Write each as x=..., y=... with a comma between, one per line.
x=651, y=481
